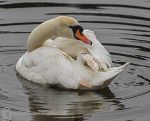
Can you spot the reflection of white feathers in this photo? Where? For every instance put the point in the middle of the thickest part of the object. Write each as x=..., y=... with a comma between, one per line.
x=50, y=65
x=54, y=102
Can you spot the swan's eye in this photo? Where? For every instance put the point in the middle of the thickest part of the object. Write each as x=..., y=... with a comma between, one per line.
x=75, y=28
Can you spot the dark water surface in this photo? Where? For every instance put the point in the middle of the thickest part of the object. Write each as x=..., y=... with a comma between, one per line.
x=123, y=26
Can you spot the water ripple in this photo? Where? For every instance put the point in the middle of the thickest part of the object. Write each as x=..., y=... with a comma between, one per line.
x=82, y=6
x=117, y=23
x=104, y=14
x=146, y=49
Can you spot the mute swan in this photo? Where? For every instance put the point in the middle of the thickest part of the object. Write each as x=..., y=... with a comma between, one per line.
x=56, y=56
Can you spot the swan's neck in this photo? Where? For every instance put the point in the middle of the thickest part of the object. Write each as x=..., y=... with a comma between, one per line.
x=41, y=33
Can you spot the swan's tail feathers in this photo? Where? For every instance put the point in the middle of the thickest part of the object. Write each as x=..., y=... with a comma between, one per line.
x=105, y=78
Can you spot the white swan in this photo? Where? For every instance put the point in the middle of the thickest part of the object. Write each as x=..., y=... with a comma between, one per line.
x=56, y=56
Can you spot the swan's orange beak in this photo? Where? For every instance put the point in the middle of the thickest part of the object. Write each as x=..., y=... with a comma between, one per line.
x=82, y=37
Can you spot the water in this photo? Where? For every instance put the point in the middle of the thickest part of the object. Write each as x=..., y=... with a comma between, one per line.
x=123, y=26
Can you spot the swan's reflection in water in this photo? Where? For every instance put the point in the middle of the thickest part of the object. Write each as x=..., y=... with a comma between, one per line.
x=51, y=103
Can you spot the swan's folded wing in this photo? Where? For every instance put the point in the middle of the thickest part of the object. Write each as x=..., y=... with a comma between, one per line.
x=97, y=49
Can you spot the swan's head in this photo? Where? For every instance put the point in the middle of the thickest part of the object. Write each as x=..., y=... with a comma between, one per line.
x=70, y=28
